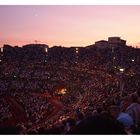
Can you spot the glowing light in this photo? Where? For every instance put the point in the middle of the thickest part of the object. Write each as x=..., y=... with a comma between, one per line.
x=1, y=49
x=121, y=70
x=62, y=91
x=77, y=50
x=46, y=50
x=132, y=60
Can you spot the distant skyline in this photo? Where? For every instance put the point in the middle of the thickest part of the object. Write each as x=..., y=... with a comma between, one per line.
x=68, y=25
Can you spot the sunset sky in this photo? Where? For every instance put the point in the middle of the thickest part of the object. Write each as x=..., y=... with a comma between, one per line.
x=68, y=25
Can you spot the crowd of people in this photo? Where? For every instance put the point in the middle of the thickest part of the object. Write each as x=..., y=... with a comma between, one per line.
x=94, y=102
x=35, y=106
x=5, y=113
x=120, y=116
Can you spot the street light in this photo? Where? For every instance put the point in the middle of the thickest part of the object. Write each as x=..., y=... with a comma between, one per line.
x=76, y=51
x=121, y=80
x=1, y=54
x=46, y=50
x=46, y=54
x=1, y=50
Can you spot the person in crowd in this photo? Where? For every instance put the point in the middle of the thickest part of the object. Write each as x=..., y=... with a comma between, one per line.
x=124, y=118
x=99, y=124
x=134, y=109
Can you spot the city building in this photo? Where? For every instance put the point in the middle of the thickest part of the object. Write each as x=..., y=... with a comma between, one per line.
x=101, y=44
x=116, y=42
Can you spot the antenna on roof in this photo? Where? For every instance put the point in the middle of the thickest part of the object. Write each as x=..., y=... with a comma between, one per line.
x=36, y=41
